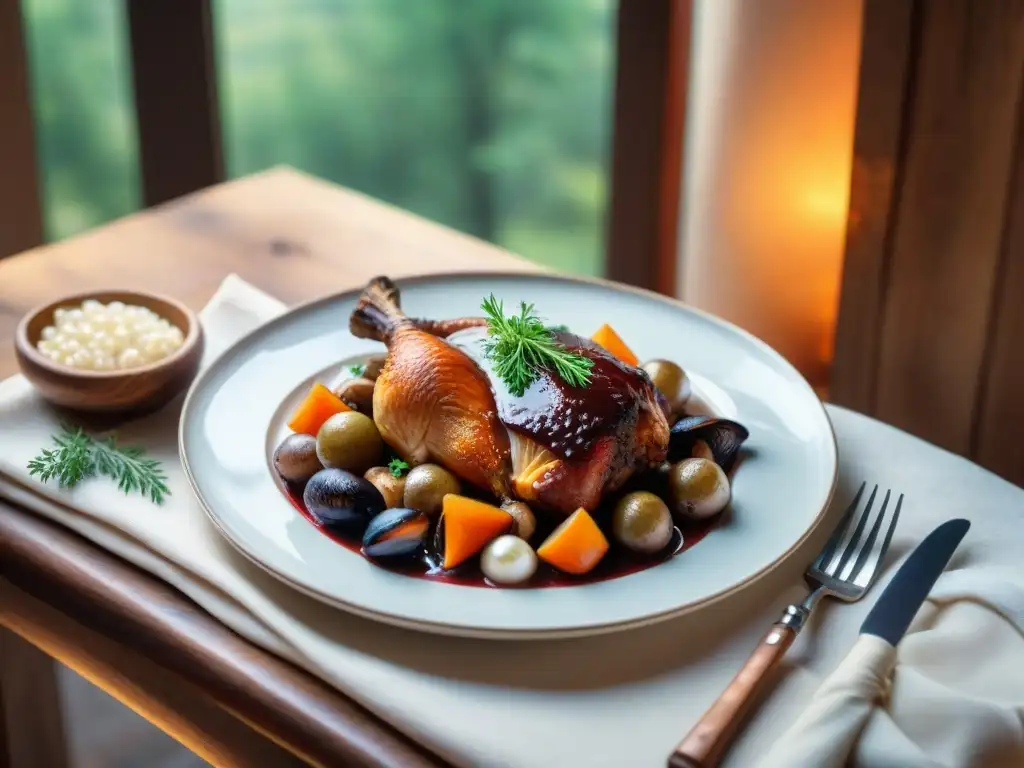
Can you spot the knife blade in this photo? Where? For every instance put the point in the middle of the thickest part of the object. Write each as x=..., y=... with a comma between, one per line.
x=899, y=602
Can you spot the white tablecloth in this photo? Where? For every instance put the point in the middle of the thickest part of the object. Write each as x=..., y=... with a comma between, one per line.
x=618, y=700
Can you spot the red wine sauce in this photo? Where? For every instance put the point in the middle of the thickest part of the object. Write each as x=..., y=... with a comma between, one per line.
x=617, y=563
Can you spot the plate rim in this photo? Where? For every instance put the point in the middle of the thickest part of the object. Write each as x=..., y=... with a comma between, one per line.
x=443, y=628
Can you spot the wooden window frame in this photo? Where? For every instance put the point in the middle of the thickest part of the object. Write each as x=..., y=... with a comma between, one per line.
x=176, y=105
x=651, y=83
x=21, y=218
x=930, y=317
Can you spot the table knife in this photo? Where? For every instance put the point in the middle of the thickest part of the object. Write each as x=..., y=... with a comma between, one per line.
x=899, y=602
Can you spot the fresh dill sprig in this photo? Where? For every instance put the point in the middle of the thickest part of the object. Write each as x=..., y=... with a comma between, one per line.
x=69, y=462
x=398, y=467
x=356, y=370
x=521, y=346
x=130, y=468
x=79, y=455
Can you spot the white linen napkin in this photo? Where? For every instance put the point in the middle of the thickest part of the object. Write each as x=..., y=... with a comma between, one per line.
x=614, y=700
x=947, y=695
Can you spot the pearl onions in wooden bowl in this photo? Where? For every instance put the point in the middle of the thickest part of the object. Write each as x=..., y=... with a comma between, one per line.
x=106, y=337
x=112, y=352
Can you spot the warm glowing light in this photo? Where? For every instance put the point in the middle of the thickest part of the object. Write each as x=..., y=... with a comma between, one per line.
x=769, y=154
x=826, y=209
x=827, y=205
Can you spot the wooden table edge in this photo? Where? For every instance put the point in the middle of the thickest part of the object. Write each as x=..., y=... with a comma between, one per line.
x=110, y=597
x=33, y=634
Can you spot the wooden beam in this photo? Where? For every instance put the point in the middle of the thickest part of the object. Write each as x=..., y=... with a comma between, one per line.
x=930, y=321
x=176, y=102
x=31, y=723
x=21, y=219
x=176, y=707
x=1000, y=411
x=888, y=53
x=677, y=84
x=653, y=41
x=946, y=247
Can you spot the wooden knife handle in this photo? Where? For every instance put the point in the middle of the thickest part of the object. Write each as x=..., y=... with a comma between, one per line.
x=708, y=740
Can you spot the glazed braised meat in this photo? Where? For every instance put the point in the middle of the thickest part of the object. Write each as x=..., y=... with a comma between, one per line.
x=556, y=446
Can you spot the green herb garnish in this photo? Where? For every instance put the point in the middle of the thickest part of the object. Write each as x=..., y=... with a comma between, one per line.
x=559, y=328
x=398, y=467
x=521, y=346
x=78, y=456
x=356, y=370
x=69, y=462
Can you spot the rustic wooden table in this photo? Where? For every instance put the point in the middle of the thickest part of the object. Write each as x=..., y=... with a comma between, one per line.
x=297, y=238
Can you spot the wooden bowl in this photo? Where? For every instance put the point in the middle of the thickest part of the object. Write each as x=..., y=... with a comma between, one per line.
x=134, y=391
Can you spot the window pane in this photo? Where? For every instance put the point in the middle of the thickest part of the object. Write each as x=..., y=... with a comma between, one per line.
x=85, y=126
x=489, y=116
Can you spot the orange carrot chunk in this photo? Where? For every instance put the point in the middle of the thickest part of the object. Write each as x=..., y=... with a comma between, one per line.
x=317, y=407
x=575, y=546
x=610, y=340
x=469, y=526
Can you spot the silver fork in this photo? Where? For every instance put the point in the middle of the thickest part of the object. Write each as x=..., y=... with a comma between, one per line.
x=845, y=569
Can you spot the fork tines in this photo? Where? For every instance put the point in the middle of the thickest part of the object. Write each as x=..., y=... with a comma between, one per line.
x=851, y=557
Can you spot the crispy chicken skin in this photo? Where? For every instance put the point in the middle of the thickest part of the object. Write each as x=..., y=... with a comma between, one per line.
x=558, y=447
x=432, y=402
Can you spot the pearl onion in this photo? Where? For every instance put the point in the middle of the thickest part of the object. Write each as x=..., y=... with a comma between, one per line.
x=130, y=358
x=152, y=348
x=508, y=560
x=107, y=337
x=101, y=342
x=698, y=488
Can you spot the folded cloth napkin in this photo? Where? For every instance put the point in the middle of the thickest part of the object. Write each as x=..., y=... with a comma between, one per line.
x=593, y=701
x=947, y=695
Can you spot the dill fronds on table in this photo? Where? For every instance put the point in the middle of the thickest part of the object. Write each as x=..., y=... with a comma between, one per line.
x=78, y=455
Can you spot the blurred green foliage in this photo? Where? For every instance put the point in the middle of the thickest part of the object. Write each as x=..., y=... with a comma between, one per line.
x=490, y=116
x=85, y=132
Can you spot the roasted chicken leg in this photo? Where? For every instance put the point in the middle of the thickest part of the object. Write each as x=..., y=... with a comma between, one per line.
x=556, y=446
x=431, y=401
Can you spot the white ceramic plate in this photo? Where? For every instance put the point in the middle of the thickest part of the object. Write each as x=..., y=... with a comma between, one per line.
x=234, y=417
